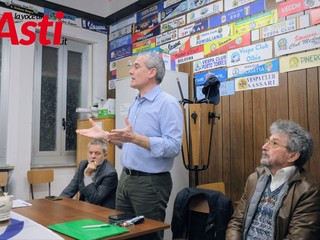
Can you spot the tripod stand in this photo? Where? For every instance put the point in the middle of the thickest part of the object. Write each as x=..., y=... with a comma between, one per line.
x=199, y=118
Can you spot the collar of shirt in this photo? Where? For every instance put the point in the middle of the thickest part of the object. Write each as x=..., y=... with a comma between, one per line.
x=280, y=177
x=151, y=95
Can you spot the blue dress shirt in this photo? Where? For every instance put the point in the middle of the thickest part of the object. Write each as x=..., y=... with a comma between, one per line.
x=158, y=116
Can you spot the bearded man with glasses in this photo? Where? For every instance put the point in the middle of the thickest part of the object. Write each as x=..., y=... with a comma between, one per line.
x=281, y=200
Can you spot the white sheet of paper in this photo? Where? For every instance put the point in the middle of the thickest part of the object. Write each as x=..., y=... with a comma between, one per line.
x=20, y=203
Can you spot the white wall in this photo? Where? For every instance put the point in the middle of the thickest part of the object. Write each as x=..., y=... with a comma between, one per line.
x=19, y=140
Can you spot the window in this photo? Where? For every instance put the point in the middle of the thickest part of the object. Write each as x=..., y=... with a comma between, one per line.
x=60, y=87
x=4, y=66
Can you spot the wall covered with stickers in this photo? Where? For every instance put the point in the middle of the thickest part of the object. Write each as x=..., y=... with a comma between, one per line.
x=266, y=55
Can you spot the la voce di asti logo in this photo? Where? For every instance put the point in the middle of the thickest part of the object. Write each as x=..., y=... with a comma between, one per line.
x=28, y=30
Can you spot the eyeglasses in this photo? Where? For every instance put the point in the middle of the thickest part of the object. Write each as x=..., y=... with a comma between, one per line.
x=273, y=143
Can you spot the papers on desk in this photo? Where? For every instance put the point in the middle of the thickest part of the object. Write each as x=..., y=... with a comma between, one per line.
x=20, y=203
x=22, y=228
x=76, y=229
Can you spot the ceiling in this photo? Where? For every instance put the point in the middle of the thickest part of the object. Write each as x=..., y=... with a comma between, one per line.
x=104, y=11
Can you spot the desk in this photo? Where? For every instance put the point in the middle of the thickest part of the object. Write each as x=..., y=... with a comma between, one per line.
x=47, y=212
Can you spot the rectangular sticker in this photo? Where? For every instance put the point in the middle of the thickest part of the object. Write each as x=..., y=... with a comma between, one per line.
x=150, y=50
x=146, y=23
x=126, y=40
x=227, y=88
x=145, y=34
x=230, y=4
x=168, y=3
x=198, y=3
x=297, y=41
x=193, y=28
x=121, y=32
x=174, y=11
x=132, y=19
x=188, y=54
x=67, y=18
x=23, y=7
x=143, y=45
x=257, y=81
x=210, y=35
x=122, y=52
x=204, y=12
x=149, y=11
x=251, y=53
x=295, y=6
x=174, y=23
x=237, y=13
x=254, y=22
x=300, y=61
x=221, y=74
x=225, y=44
x=94, y=26
x=167, y=37
x=210, y=63
x=175, y=46
x=284, y=26
x=271, y=65
x=315, y=16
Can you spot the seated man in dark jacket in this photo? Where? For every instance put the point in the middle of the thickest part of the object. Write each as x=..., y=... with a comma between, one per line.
x=96, y=179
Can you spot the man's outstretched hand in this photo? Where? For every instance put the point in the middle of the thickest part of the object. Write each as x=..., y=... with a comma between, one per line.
x=95, y=132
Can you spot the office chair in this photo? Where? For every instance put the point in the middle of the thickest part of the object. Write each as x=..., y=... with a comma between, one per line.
x=40, y=176
x=4, y=178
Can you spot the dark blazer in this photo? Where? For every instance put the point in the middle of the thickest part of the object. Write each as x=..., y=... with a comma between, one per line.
x=220, y=211
x=103, y=189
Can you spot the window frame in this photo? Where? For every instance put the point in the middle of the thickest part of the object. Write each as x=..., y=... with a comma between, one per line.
x=59, y=155
x=97, y=82
x=4, y=98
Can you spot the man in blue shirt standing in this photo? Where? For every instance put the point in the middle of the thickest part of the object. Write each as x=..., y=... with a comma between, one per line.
x=150, y=141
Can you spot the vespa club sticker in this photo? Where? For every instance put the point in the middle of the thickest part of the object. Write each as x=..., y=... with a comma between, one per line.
x=257, y=81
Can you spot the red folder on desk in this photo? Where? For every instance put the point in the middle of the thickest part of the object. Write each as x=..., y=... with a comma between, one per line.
x=75, y=229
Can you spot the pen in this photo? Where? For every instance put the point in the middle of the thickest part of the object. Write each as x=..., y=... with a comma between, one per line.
x=97, y=226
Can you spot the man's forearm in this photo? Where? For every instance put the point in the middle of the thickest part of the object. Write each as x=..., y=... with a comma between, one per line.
x=142, y=141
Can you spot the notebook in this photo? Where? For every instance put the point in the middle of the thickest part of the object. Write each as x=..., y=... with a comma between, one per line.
x=74, y=229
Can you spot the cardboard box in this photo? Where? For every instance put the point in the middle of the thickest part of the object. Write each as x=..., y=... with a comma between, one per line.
x=124, y=65
x=106, y=108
